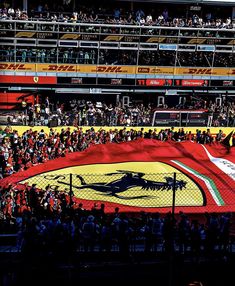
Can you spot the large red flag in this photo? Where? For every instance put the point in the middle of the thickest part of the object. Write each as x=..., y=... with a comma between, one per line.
x=138, y=175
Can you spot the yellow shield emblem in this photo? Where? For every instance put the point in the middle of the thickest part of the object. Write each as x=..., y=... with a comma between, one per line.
x=136, y=184
x=35, y=79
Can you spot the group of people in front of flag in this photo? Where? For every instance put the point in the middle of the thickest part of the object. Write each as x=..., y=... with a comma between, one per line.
x=46, y=221
x=20, y=152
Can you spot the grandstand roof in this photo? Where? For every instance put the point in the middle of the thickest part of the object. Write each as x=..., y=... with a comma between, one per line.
x=218, y=2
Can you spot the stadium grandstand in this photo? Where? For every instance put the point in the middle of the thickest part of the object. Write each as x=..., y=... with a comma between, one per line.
x=124, y=55
x=117, y=141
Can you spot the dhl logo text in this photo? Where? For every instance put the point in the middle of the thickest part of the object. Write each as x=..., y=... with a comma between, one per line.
x=13, y=67
x=110, y=69
x=199, y=71
x=232, y=72
x=60, y=68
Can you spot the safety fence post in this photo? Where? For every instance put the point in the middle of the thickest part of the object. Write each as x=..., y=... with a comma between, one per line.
x=70, y=190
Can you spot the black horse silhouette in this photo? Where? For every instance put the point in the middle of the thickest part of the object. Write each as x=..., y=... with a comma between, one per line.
x=127, y=181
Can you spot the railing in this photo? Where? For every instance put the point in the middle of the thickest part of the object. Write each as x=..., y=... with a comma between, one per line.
x=187, y=36
x=104, y=56
x=127, y=212
x=184, y=118
x=113, y=44
x=34, y=23
x=131, y=191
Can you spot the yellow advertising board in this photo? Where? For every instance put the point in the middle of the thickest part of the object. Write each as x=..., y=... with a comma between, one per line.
x=214, y=130
x=57, y=68
x=21, y=67
x=155, y=70
x=116, y=69
x=205, y=71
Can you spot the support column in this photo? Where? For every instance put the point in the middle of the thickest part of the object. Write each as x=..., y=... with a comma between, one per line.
x=117, y=98
x=233, y=13
x=74, y=5
x=25, y=5
x=132, y=6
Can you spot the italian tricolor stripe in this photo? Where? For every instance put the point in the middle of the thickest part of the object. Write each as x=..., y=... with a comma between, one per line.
x=208, y=182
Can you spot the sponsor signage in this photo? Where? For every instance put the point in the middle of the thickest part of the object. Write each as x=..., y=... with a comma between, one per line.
x=117, y=69
x=155, y=70
x=76, y=80
x=206, y=48
x=59, y=68
x=180, y=118
x=227, y=83
x=28, y=79
x=117, y=38
x=116, y=81
x=110, y=69
x=10, y=98
x=20, y=67
x=135, y=36
x=195, y=8
x=168, y=47
x=95, y=90
x=198, y=71
x=155, y=82
x=192, y=82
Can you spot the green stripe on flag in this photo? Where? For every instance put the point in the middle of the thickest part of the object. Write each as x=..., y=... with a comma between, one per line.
x=208, y=181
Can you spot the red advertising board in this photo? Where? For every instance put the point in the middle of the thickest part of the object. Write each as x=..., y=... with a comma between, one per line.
x=192, y=82
x=155, y=82
x=28, y=79
x=10, y=100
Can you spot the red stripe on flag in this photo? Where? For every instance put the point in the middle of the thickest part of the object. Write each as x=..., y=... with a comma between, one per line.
x=190, y=154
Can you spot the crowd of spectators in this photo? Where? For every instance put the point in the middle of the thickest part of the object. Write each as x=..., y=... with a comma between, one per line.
x=115, y=57
x=91, y=55
x=50, y=222
x=225, y=114
x=117, y=16
x=79, y=112
x=46, y=222
x=20, y=152
x=85, y=113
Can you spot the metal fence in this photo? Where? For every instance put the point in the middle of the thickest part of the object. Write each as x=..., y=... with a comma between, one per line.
x=122, y=212
x=130, y=191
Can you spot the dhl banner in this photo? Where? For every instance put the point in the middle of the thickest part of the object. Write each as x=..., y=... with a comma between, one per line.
x=115, y=69
x=138, y=175
x=155, y=70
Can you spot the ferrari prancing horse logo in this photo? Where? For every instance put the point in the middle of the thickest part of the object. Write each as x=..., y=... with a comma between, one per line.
x=35, y=79
x=142, y=184
x=127, y=181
